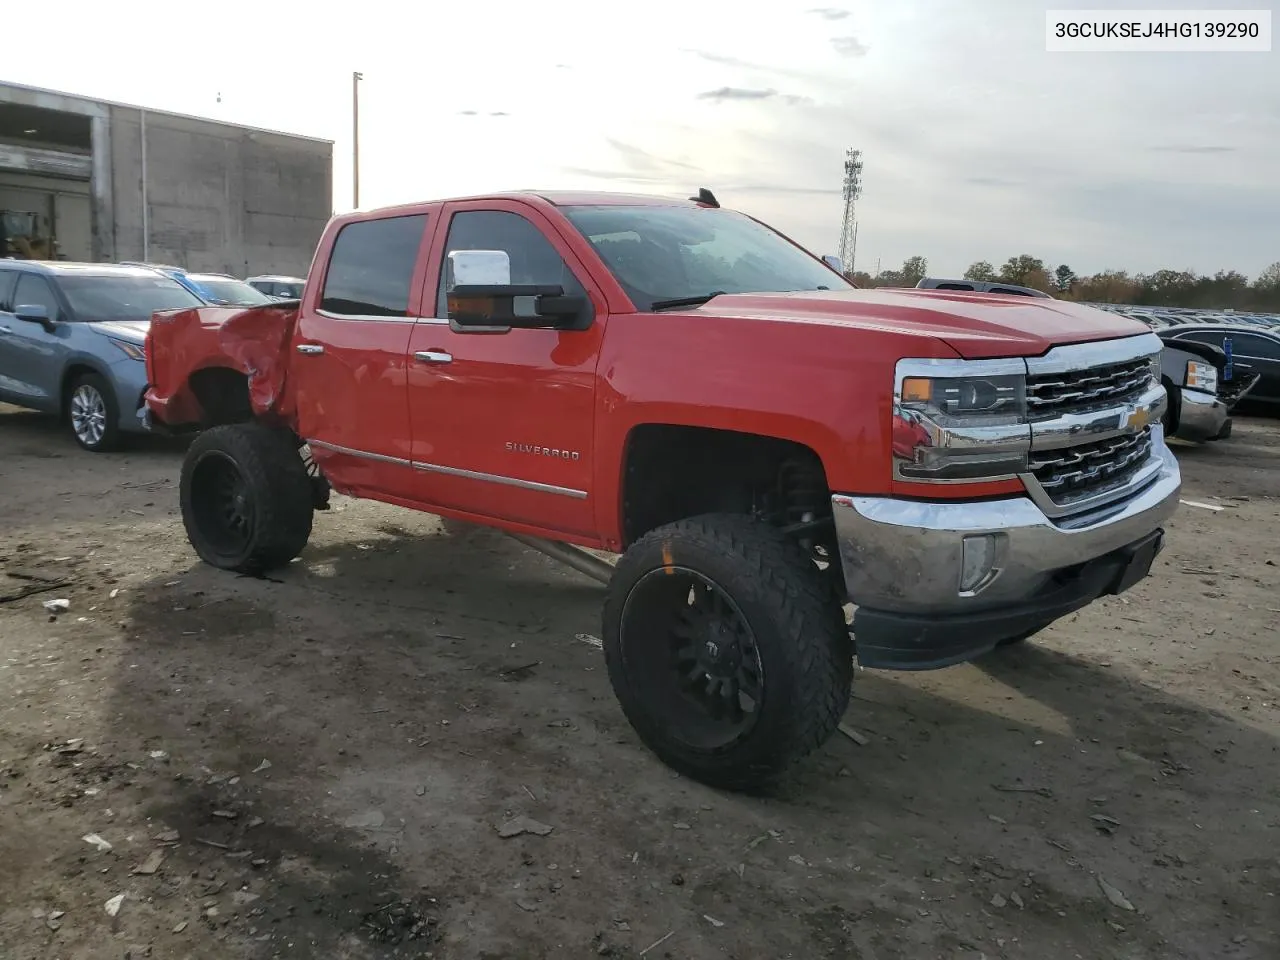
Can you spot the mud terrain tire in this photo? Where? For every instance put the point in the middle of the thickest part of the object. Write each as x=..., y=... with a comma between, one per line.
x=246, y=497
x=706, y=587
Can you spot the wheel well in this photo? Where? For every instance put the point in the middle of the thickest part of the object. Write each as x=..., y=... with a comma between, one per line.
x=70, y=376
x=223, y=395
x=673, y=472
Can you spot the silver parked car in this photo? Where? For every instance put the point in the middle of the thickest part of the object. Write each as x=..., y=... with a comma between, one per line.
x=72, y=341
x=277, y=287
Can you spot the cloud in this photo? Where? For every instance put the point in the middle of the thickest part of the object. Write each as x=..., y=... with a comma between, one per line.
x=642, y=159
x=993, y=182
x=829, y=13
x=721, y=94
x=751, y=66
x=849, y=46
x=476, y=113
x=468, y=113
x=1194, y=150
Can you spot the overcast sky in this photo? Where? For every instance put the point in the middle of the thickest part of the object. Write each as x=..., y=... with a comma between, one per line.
x=977, y=143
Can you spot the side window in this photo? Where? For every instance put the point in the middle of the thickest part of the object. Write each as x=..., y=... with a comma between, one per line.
x=36, y=290
x=7, y=279
x=1249, y=345
x=371, y=267
x=1213, y=339
x=533, y=259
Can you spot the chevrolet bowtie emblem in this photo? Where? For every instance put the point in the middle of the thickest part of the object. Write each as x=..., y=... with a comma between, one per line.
x=1138, y=418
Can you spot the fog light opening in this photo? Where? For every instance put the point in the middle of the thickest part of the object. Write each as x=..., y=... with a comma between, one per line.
x=978, y=562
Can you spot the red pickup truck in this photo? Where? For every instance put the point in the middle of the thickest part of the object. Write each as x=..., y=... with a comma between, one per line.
x=763, y=443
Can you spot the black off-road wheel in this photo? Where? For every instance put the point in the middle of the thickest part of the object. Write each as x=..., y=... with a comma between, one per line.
x=727, y=649
x=246, y=497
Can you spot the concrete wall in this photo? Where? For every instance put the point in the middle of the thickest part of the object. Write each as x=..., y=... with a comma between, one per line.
x=219, y=197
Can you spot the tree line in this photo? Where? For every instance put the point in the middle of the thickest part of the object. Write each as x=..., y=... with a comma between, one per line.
x=1224, y=290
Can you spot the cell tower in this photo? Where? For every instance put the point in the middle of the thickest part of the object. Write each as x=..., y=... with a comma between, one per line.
x=852, y=191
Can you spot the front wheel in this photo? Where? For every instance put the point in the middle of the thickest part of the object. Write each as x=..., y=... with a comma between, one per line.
x=727, y=649
x=94, y=413
x=246, y=497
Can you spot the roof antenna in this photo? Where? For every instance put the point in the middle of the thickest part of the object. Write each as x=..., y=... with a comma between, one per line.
x=706, y=196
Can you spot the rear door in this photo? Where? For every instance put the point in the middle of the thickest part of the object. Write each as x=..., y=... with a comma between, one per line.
x=503, y=422
x=30, y=356
x=348, y=366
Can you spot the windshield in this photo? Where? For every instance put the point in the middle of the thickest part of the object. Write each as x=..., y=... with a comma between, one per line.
x=230, y=290
x=667, y=253
x=124, y=297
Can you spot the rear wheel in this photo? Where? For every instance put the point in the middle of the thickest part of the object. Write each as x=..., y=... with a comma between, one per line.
x=246, y=497
x=727, y=649
x=93, y=413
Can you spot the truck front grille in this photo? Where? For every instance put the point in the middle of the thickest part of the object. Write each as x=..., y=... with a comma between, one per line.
x=1092, y=468
x=1079, y=391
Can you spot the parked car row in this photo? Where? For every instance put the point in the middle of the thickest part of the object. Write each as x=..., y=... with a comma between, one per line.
x=72, y=335
x=1211, y=361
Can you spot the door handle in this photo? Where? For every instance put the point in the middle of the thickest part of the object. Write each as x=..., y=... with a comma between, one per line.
x=310, y=348
x=434, y=356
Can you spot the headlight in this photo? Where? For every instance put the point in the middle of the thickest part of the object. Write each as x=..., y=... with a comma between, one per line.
x=133, y=351
x=968, y=399
x=1202, y=376
x=961, y=420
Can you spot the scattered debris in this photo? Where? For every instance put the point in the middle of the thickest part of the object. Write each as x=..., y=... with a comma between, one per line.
x=1021, y=788
x=397, y=922
x=102, y=845
x=180, y=927
x=1016, y=900
x=264, y=765
x=1103, y=820
x=657, y=943
x=994, y=819
x=255, y=822
x=1202, y=506
x=712, y=920
x=166, y=836
x=113, y=905
x=592, y=642
x=242, y=898
x=998, y=901
x=518, y=825
x=1117, y=898
x=528, y=906
x=681, y=825
x=151, y=864
x=369, y=820
x=226, y=814
x=860, y=739
x=60, y=605
x=159, y=755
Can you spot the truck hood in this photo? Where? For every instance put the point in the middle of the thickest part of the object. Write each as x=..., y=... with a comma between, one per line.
x=975, y=325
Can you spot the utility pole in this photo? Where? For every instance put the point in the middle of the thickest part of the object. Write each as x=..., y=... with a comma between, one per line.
x=355, y=139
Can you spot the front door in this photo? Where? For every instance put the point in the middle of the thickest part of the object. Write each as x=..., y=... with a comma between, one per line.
x=503, y=423
x=348, y=366
x=31, y=357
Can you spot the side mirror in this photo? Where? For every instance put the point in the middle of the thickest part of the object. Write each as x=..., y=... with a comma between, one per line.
x=834, y=263
x=34, y=313
x=482, y=299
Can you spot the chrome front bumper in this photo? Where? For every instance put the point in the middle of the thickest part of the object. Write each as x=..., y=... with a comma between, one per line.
x=1201, y=416
x=902, y=562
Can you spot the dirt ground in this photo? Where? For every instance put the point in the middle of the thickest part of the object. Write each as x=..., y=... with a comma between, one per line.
x=317, y=765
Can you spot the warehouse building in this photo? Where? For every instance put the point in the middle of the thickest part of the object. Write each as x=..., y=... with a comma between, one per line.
x=84, y=179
